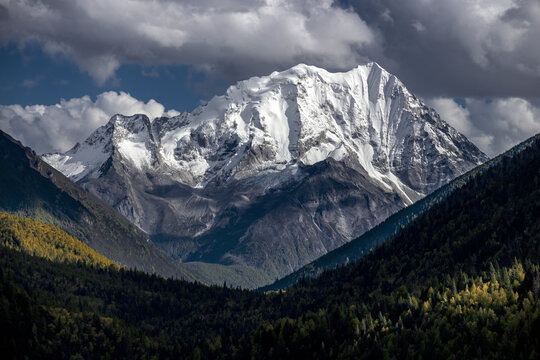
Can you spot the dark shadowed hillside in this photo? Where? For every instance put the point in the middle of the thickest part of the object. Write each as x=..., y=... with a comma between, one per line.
x=361, y=246
x=30, y=187
x=460, y=281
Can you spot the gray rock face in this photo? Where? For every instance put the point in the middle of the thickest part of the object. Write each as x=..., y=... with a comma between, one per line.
x=276, y=172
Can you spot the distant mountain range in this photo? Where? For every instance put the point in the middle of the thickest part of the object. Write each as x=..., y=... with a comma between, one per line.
x=275, y=173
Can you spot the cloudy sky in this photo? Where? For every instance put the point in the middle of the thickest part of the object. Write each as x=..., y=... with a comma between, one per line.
x=68, y=65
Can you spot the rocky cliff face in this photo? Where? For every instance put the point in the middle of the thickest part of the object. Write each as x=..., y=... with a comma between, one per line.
x=276, y=172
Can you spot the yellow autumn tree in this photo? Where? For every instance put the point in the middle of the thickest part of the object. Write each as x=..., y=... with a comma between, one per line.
x=39, y=239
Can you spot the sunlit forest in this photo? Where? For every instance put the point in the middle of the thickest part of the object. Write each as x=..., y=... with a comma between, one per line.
x=47, y=241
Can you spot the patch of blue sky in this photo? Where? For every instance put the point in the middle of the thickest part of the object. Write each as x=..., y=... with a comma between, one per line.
x=29, y=76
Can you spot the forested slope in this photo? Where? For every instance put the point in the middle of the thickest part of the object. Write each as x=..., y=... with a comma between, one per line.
x=43, y=240
x=30, y=187
x=460, y=281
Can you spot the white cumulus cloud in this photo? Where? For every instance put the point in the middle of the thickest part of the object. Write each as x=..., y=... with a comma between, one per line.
x=56, y=128
x=493, y=125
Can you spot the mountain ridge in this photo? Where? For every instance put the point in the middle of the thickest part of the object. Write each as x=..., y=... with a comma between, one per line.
x=461, y=281
x=195, y=180
x=355, y=249
x=292, y=85
x=32, y=188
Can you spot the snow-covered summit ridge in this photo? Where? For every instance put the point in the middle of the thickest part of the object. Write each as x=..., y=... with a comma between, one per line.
x=364, y=117
x=131, y=136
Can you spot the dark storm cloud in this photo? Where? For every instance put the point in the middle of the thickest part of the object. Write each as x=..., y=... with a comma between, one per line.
x=493, y=125
x=230, y=38
x=459, y=48
x=482, y=48
x=486, y=52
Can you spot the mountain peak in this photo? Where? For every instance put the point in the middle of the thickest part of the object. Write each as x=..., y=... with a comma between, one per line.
x=123, y=125
x=129, y=121
x=312, y=70
x=301, y=72
x=302, y=115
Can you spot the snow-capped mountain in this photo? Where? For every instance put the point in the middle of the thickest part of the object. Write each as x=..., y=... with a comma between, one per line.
x=276, y=172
